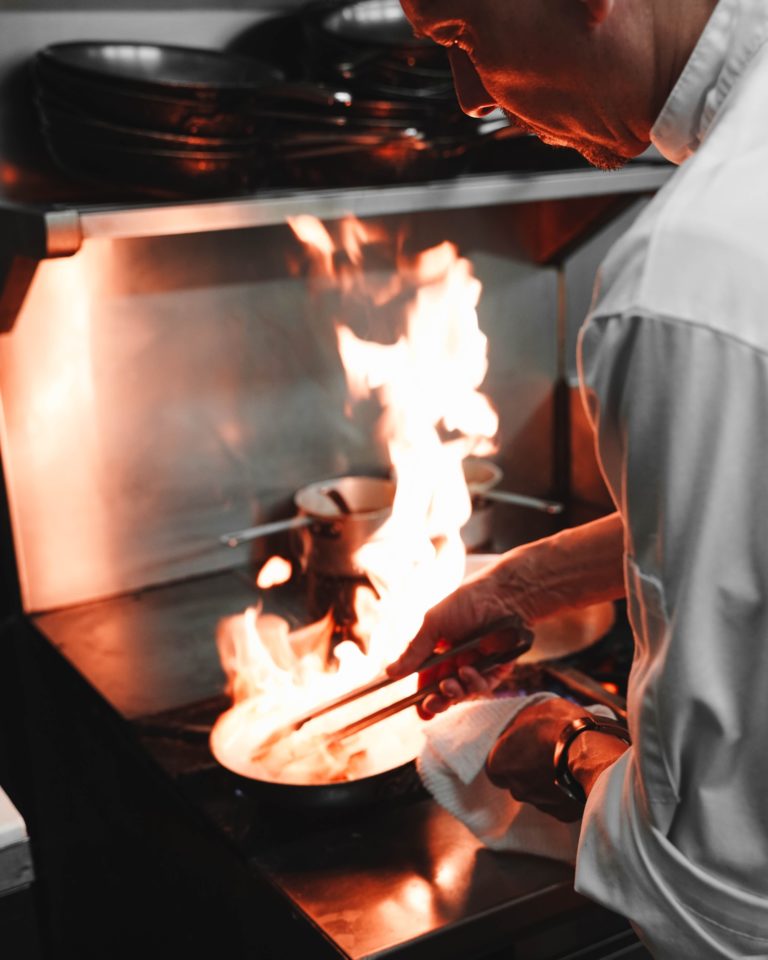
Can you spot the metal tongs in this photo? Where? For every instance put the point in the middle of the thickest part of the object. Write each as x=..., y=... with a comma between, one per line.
x=523, y=642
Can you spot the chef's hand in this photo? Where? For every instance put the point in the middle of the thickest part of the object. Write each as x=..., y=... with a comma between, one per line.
x=575, y=568
x=521, y=761
x=478, y=602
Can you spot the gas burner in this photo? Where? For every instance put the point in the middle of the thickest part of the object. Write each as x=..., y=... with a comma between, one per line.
x=326, y=592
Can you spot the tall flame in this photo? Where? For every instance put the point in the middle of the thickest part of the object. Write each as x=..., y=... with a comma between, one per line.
x=433, y=416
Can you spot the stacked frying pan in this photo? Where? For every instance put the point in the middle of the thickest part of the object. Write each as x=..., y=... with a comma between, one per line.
x=401, y=97
x=338, y=94
x=164, y=118
x=402, y=94
x=370, y=44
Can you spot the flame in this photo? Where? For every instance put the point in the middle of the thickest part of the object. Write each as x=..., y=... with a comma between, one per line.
x=275, y=675
x=311, y=232
x=432, y=416
x=427, y=382
x=276, y=570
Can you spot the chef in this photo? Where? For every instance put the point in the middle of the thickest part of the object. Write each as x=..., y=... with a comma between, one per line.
x=674, y=377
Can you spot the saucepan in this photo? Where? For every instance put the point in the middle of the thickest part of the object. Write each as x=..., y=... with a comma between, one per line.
x=334, y=519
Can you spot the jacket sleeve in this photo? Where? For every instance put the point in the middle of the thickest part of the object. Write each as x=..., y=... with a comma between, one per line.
x=675, y=834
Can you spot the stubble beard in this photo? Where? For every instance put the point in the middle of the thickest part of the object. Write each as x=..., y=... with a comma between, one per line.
x=596, y=154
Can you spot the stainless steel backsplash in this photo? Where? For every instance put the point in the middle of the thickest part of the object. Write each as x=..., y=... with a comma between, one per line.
x=157, y=393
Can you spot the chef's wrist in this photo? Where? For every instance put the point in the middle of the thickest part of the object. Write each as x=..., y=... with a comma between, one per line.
x=590, y=754
x=587, y=745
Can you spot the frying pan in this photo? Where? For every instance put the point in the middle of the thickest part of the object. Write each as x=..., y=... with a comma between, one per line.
x=136, y=108
x=174, y=109
x=395, y=781
x=170, y=71
x=365, y=29
x=231, y=742
x=177, y=172
x=370, y=500
x=61, y=121
x=380, y=22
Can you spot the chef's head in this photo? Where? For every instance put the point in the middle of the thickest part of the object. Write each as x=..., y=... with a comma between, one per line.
x=588, y=74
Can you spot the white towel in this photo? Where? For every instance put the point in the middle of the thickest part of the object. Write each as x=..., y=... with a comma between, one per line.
x=452, y=768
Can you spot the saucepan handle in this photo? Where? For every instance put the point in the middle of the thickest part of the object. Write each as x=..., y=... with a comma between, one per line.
x=238, y=537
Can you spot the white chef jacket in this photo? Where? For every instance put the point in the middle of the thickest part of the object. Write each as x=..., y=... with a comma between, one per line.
x=674, y=371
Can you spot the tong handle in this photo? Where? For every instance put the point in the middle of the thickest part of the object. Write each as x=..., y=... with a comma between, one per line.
x=503, y=656
x=470, y=642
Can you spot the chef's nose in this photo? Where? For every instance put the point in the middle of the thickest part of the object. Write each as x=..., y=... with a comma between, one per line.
x=473, y=98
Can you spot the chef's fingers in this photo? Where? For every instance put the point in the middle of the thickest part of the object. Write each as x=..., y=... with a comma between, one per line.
x=474, y=682
x=473, y=604
x=412, y=657
x=421, y=647
x=429, y=641
x=448, y=669
x=468, y=683
x=449, y=691
x=432, y=705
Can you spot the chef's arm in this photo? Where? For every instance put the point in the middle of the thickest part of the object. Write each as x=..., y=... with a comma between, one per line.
x=575, y=568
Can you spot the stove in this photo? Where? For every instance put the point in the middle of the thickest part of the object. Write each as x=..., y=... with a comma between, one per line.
x=399, y=880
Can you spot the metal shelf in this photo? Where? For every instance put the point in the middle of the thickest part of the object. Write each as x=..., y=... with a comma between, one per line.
x=31, y=234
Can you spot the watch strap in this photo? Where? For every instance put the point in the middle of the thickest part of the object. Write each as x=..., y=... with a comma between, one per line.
x=564, y=779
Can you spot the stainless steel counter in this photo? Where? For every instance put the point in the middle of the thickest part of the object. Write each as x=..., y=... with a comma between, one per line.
x=153, y=650
x=414, y=882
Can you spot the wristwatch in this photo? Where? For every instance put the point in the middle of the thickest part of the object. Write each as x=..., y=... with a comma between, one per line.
x=564, y=779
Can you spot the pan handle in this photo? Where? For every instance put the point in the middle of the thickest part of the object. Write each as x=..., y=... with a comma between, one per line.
x=238, y=537
x=520, y=500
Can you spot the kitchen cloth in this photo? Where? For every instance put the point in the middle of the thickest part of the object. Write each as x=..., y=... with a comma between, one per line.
x=452, y=768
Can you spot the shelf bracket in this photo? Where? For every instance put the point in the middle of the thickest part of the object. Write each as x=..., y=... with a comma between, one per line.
x=27, y=236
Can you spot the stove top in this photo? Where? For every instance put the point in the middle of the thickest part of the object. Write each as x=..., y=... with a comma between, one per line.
x=401, y=880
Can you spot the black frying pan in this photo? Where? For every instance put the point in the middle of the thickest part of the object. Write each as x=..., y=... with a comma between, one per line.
x=170, y=71
x=61, y=120
x=400, y=781
x=176, y=172
x=137, y=108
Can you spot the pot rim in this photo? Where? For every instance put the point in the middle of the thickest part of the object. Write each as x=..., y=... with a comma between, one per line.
x=311, y=500
x=487, y=474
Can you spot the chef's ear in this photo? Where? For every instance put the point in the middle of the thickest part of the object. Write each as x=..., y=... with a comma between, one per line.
x=598, y=10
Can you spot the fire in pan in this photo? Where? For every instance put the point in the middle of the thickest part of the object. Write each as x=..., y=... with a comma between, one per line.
x=354, y=748
x=335, y=758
